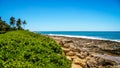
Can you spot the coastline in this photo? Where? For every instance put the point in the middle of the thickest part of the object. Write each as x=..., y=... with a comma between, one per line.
x=85, y=37
x=84, y=52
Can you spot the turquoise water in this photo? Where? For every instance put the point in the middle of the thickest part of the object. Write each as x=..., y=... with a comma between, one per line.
x=109, y=35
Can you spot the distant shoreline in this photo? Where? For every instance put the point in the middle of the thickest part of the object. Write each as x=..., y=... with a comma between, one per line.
x=84, y=37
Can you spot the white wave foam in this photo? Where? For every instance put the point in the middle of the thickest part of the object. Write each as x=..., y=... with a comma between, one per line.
x=87, y=37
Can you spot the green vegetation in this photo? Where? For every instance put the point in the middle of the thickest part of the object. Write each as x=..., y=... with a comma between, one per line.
x=4, y=26
x=13, y=25
x=23, y=49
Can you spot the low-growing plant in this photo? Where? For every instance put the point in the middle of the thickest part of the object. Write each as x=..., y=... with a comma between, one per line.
x=24, y=49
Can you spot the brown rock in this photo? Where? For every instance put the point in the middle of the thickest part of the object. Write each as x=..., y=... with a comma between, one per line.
x=73, y=48
x=65, y=49
x=69, y=58
x=79, y=62
x=100, y=66
x=66, y=45
x=92, y=63
x=88, y=58
x=78, y=49
x=118, y=66
x=60, y=43
x=105, y=62
x=67, y=41
x=80, y=56
x=91, y=55
x=84, y=49
x=85, y=54
x=75, y=66
x=70, y=53
x=73, y=57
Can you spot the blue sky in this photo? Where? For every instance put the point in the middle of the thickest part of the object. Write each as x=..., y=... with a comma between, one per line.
x=64, y=15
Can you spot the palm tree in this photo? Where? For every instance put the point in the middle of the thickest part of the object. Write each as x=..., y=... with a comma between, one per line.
x=24, y=23
x=18, y=24
x=0, y=24
x=4, y=26
x=12, y=21
x=0, y=19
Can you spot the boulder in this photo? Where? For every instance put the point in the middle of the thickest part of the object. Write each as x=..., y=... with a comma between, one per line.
x=105, y=62
x=72, y=46
x=61, y=43
x=74, y=49
x=79, y=62
x=78, y=49
x=70, y=53
x=65, y=49
x=100, y=66
x=80, y=56
x=92, y=63
x=88, y=58
x=85, y=53
x=76, y=66
x=66, y=45
x=67, y=41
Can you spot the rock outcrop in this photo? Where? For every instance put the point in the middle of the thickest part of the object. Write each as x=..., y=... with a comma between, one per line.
x=87, y=53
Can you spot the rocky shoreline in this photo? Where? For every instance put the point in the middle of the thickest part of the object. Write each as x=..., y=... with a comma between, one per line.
x=90, y=53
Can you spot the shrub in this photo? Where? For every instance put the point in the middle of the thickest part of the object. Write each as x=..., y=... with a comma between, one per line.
x=23, y=49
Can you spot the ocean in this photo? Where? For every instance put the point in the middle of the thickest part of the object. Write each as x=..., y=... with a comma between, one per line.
x=102, y=35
